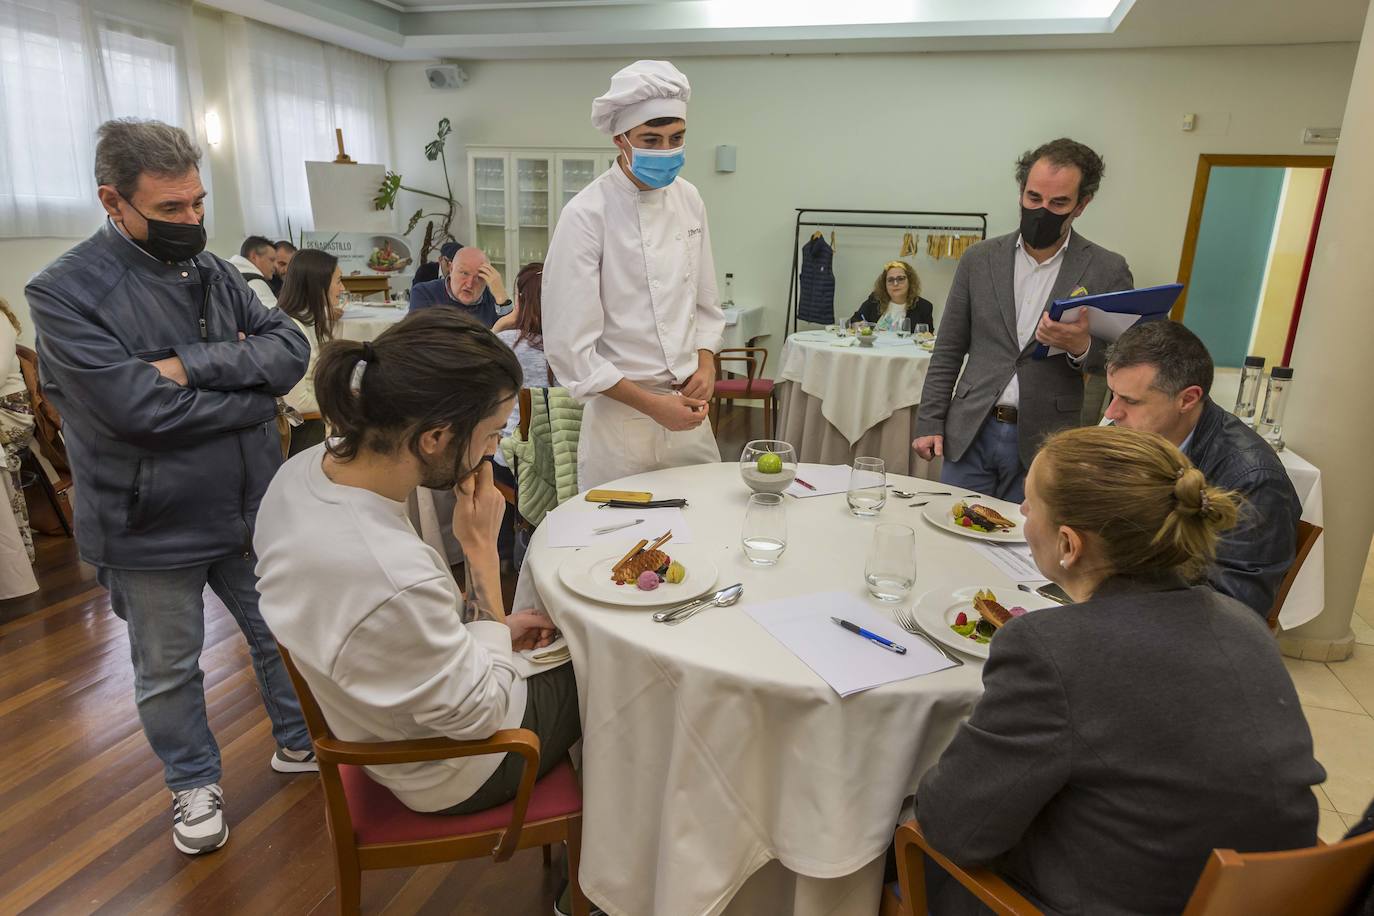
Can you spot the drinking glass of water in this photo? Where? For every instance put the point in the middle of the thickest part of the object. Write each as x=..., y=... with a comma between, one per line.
x=867, y=487
x=903, y=328
x=891, y=568
x=922, y=330
x=765, y=529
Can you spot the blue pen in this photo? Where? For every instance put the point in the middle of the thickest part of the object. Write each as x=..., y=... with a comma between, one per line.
x=868, y=634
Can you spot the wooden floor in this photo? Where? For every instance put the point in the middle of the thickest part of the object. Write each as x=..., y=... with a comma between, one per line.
x=85, y=818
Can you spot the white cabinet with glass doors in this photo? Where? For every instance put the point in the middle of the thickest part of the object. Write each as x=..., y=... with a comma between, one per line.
x=517, y=194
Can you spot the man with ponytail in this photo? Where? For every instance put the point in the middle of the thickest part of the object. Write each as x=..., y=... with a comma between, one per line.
x=370, y=613
x=1123, y=737
x=1160, y=373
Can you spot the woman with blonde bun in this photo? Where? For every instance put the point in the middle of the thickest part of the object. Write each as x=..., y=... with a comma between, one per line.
x=1121, y=738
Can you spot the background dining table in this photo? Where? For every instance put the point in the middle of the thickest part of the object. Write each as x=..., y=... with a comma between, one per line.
x=839, y=401
x=720, y=773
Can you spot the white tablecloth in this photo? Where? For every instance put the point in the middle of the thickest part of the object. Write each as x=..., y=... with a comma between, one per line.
x=712, y=754
x=365, y=322
x=1307, y=597
x=858, y=387
x=743, y=324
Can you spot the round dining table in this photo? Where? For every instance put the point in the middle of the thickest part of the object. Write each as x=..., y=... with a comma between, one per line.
x=366, y=322
x=720, y=773
x=838, y=401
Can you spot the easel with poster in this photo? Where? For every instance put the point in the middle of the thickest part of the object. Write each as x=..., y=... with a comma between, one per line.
x=373, y=257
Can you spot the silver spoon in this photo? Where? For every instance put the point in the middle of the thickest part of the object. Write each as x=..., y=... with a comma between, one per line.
x=723, y=598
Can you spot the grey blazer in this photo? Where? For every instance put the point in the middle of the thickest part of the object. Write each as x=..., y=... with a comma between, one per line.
x=1118, y=742
x=979, y=322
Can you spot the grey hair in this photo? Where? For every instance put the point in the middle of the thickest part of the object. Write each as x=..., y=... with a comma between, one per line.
x=129, y=147
x=1180, y=358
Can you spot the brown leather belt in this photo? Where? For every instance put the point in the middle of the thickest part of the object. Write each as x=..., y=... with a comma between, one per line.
x=1004, y=414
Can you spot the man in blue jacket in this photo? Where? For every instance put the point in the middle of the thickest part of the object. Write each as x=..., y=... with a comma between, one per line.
x=166, y=370
x=472, y=286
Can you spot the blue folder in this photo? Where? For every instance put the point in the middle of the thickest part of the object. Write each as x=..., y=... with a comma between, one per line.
x=1151, y=303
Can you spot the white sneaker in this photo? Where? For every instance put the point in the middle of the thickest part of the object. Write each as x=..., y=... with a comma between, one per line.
x=198, y=820
x=288, y=761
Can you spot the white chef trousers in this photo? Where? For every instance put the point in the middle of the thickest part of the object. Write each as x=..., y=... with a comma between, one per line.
x=617, y=441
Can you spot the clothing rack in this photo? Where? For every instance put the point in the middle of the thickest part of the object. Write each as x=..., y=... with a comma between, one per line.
x=793, y=284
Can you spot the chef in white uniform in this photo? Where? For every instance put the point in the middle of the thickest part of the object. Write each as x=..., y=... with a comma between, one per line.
x=632, y=319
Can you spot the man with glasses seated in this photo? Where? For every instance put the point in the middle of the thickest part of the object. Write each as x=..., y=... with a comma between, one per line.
x=472, y=286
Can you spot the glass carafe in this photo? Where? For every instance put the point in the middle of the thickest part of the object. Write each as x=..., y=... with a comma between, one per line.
x=1247, y=398
x=1275, y=398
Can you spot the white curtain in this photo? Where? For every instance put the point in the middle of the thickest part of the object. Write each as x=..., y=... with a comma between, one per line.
x=287, y=95
x=65, y=67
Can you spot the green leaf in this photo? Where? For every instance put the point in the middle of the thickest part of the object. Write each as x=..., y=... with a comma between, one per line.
x=386, y=192
x=413, y=220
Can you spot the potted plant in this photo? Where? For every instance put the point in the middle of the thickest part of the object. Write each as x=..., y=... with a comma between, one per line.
x=391, y=186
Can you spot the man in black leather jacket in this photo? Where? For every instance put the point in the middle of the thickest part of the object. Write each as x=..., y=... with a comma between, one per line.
x=1159, y=373
x=166, y=370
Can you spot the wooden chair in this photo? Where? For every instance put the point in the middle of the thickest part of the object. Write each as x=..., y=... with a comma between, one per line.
x=371, y=829
x=1318, y=881
x=47, y=439
x=752, y=386
x=1307, y=538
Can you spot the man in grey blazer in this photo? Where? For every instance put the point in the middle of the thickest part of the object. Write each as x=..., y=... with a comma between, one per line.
x=988, y=422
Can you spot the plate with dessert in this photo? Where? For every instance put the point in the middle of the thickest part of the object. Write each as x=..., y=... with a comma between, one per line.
x=650, y=574
x=967, y=619
x=977, y=517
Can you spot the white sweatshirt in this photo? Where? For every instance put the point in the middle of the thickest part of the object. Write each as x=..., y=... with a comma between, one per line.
x=371, y=616
x=260, y=287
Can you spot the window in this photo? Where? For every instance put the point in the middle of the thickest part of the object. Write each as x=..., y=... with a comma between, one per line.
x=65, y=67
x=287, y=96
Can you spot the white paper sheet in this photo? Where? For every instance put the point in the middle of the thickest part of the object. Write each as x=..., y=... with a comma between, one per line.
x=574, y=529
x=849, y=663
x=530, y=662
x=1106, y=326
x=828, y=479
x=1013, y=559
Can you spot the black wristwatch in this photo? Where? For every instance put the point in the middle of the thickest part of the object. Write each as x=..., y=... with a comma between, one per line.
x=506, y=304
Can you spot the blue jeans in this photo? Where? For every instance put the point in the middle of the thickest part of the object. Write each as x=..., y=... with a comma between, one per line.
x=992, y=464
x=165, y=611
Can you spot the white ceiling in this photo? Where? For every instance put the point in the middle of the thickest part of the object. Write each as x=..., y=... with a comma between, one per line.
x=495, y=29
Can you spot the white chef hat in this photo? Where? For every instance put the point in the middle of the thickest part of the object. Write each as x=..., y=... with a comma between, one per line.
x=641, y=92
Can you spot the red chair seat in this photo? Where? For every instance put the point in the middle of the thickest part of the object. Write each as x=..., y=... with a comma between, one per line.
x=740, y=387
x=380, y=817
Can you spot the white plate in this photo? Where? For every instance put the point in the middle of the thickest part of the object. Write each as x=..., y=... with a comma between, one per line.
x=937, y=610
x=588, y=572
x=937, y=513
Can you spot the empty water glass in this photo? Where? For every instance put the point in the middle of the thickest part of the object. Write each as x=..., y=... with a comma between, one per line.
x=867, y=487
x=903, y=328
x=922, y=330
x=765, y=529
x=891, y=568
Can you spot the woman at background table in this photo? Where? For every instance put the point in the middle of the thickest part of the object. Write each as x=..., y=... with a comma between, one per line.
x=526, y=340
x=310, y=295
x=896, y=295
x=1121, y=739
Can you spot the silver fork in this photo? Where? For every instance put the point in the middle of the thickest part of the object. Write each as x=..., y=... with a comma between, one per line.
x=907, y=621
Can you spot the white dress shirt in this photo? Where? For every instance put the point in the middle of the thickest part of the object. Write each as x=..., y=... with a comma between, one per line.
x=1031, y=286
x=260, y=287
x=630, y=287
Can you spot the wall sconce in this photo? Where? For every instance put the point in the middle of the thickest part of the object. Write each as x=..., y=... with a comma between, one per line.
x=214, y=131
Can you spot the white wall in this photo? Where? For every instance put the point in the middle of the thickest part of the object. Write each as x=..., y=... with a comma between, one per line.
x=922, y=131
x=22, y=258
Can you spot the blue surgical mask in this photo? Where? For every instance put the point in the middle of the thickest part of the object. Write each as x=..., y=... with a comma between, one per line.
x=657, y=167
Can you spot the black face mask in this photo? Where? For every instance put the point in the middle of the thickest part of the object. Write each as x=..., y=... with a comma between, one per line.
x=1040, y=228
x=168, y=241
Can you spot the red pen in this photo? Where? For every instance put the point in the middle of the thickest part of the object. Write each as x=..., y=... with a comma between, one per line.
x=803, y=483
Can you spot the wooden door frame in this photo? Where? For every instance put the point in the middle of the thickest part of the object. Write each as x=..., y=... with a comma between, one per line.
x=1205, y=164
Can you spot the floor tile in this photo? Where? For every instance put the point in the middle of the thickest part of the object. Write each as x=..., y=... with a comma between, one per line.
x=1323, y=801
x=1356, y=674
x=1318, y=686
x=1343, y=742
x=1330, y=826
x=1364, y=633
